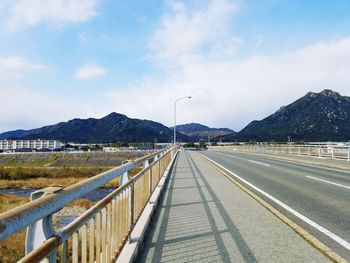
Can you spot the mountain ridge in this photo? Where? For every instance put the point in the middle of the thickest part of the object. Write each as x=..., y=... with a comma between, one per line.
x=323, y=116
x=114, y=127
x=199, y=131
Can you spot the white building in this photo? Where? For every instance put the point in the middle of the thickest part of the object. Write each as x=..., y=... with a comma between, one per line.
x=30, y=144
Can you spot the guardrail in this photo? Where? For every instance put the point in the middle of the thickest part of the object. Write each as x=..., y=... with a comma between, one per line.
x=99, y=233
x=319, y=151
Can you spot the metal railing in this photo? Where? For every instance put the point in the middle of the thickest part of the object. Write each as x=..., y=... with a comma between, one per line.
x=99, y=233
x=319, y=151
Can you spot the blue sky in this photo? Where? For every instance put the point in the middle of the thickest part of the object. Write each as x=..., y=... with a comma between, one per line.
x=240, y=60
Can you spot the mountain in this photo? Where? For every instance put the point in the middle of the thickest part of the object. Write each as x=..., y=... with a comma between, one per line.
x=198, y=131
x=12, y=134
x=114, y=127
x=323, y=116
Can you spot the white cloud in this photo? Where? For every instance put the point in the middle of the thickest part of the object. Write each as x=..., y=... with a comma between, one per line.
x=89, y=71
x=233, y=90
x=184, y=31
x=56, y=13
x=12, y=67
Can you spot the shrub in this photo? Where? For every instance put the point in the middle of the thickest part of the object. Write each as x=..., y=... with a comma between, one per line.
x=4, y=174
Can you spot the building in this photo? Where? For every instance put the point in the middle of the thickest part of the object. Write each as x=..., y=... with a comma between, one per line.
x=6, y=145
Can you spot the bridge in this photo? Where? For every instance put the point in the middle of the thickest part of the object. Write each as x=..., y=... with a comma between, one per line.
x=231, y=204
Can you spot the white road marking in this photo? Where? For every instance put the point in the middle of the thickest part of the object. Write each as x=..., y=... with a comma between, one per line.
x=227, y=155
x=264, y=164
x=325, y=231
x=280, y=159
x=328, y=182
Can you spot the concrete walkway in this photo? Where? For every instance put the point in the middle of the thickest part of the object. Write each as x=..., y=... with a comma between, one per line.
x=205, y=218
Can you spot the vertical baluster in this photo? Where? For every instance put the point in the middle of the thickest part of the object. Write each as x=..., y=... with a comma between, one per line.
x=113, y=237
x=132, y=204
x=116, y=225
x=98, y=237
x=150, y=180
x=137, y=196
x=91, y=240
x=108, y=234
x=75, y=248
x=120, y=218
x=123, y=215
x=128, y=214
x=103, y=234
x=84, y=244
x=146, y=185
x=64, y=250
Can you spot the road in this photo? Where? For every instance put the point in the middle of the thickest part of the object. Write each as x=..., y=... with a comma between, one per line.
x=318, y=199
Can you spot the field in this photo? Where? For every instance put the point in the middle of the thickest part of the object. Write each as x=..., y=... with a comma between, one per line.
x=38, y=170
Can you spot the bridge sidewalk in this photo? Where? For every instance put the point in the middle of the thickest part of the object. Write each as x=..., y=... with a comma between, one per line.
x=203, y=217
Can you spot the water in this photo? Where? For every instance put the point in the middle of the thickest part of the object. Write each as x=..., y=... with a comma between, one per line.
x=64, y=219
x=93, y=196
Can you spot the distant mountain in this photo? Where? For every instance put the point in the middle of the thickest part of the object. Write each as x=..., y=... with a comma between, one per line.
x=198, y=131
x=323, y=116
x=12, y=134
x=114, y=127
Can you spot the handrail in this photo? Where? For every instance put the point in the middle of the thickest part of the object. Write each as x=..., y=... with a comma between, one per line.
x=18, y=218
x=107, y=224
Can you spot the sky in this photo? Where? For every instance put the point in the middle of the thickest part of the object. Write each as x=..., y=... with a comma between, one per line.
x=240, y=60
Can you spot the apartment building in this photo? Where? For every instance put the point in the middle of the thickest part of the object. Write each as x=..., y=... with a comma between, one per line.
x=30, y=144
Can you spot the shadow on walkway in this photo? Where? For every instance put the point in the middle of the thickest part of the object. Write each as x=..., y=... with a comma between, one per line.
x=192, y=224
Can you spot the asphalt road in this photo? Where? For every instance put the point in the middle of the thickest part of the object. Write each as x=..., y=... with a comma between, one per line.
x=320, y=195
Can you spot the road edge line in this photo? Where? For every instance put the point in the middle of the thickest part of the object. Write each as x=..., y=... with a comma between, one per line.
x=320, y=246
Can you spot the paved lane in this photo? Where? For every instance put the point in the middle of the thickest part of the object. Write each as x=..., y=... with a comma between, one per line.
x=204, y=217
x=320, y=194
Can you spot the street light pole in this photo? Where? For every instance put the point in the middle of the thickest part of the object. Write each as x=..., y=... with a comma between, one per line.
x=186, y=97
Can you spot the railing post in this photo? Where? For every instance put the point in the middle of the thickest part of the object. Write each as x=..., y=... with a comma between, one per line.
x=42, y=229
x=319, y=152
x=145, y=164
x=332, y=152
x=348, y=154
x=124, y=178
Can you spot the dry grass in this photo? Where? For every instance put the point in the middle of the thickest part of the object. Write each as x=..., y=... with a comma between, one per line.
x=81, y=203
x=23, y=173
x=8, y=202
x=39, y=182
x=12, y=248
x=61, y=180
